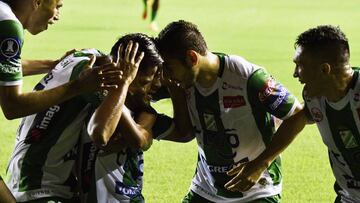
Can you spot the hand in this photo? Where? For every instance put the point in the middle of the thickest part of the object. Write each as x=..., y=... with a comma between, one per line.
x=246, y=176
x=103, y=77
x=127, y=63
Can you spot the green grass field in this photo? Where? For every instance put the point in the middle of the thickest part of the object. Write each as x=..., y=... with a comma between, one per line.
x=261, y=31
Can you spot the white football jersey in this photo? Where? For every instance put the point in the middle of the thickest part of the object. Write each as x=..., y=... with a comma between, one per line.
x=46, y=142
x=339, y=126
x=233, y=121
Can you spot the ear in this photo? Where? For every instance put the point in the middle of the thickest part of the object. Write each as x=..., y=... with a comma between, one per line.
x=192, y=57
x=37, y=3
x=325, y=68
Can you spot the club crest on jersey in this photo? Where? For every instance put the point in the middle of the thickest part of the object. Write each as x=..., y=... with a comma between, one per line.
x=9, y=48
x=210, y=123
x=267, y=89
x=316, y=114
x=234, y=101
x=348, y=139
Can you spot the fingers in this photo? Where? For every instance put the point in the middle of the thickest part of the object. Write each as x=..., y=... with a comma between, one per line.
x=128, y=51
x=139, y=59
x=133, y=52
x=91, y=61
x=119, y=53
x=235, y=170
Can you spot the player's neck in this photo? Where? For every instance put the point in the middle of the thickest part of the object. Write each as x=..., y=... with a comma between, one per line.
x=341, y=83
x=208, y=70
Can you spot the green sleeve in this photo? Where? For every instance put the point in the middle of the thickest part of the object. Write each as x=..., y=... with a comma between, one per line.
x=11, y=42
x=270, y=94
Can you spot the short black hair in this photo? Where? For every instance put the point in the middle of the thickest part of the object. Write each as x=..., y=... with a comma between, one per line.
x=327, y=43
x=146, y=45
x=178, y=37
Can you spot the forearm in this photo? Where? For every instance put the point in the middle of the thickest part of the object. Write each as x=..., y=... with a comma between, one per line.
x=33, y=67
x=136, y=136
x=181, y=113
x=105, y=119
x=16, y=104
x=286, y=133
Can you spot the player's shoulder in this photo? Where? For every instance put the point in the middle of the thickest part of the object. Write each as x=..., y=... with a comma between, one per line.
x=240, y=66
x=9, y=23
x=77, y=59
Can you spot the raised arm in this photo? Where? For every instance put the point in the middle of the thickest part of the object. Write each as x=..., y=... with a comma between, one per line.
x=104, y=121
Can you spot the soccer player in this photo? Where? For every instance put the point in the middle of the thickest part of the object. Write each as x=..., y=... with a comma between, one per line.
x=34, y=16
x=119, y=166
x=154, y=4
x=331, y=96
x=40, y=167
x=231, y=105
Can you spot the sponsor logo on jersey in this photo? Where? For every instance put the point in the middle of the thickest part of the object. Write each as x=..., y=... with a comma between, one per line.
x=9, y=47
x=279, y=99
x=234, y=101
x=10, y=68
x=129, y=191
x=210, y=123
x=267, y=89
x=230, y=86
x=316, y=114
x=48, y=117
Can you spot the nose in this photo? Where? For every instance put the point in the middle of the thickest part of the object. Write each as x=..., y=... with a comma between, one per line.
x=296, y=72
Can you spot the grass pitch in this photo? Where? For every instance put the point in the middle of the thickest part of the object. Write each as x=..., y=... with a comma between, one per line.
x=261, y=31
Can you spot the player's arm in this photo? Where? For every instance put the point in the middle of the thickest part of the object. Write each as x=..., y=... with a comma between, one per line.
x=34, y=67
x=271, y=95
x=16, y=104
x=106, y=117
x=182, y=129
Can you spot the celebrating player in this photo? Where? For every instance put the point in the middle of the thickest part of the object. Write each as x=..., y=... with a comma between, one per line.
x=34, y=16
x=331, y=96
x=41, y=165
x=231, y=105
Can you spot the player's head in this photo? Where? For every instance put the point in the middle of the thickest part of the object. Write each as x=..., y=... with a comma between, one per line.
x=180, y=43
x=149, y=64
x=321, y=52
x=41, y=13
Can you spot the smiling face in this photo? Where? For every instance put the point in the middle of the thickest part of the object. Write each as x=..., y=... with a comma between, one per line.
x=46, y=13
x=308, y=70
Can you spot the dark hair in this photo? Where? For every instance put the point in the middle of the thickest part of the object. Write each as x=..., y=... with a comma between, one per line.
x=146, y=45
x=327, y=43
x=178, y=37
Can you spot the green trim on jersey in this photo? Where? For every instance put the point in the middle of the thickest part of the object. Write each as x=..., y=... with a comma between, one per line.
x=345, y=135
x=10, y=66
x=261, y=116
x=36, y=155
x=217, y=148
x=11, y=28
x=222, y=63
x=275, y=171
